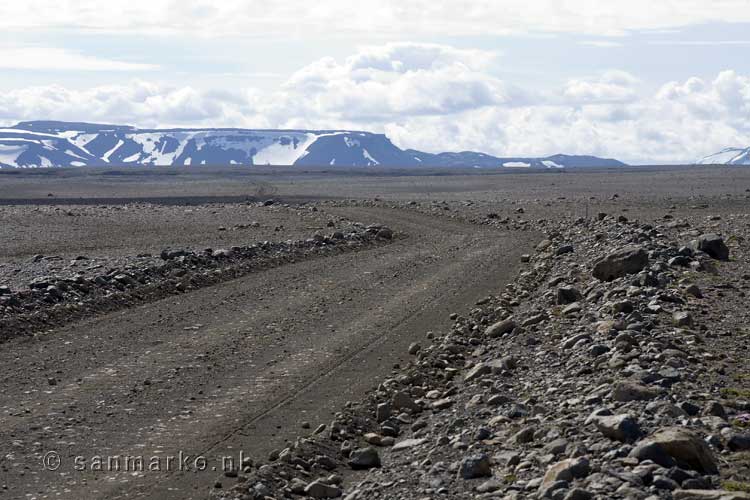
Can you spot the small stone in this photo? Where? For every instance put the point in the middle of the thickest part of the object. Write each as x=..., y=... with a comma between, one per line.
x=682, y=445
x=682, y=319
x=500, y=328
x=383, y=412
x=478, y=371
x=364, y=458
x=566, y=470
x=475, y=466
x=739, y=442
x=664, y=483
x=565, y=249
x=629, y=260
x=625, y=391
x=713, y=245
x=715, y=409
x=573, y=308
x=709, y=495
x=623, y=428
x=318, y=489
x=525, y=435
x=403, y=401
x=568, y=295
x=579, y=494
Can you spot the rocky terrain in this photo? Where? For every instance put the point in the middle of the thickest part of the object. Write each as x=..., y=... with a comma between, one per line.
x=57, y=291
x=447, y=335
x=614, y=366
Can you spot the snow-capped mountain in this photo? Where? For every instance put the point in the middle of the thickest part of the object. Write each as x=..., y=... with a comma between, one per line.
x=63, y=144
x=728, y=156
x=472, y=159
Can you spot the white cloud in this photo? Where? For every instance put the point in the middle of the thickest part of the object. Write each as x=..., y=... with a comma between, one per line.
x=611, y=87
x=143, y=103
x=602, y=44
x=398, y=79
x=55, y=59
x=377, y=17
x=435, y=98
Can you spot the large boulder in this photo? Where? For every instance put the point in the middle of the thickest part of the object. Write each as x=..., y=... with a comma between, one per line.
x=685, y=447
x=629, y=260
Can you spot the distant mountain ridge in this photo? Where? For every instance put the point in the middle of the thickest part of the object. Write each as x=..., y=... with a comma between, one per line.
x=728, y=156
x=36, y=144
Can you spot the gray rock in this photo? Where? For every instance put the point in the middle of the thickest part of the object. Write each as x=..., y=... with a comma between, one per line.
x=653, y=452
x=713, y=245
x=403, y=401
x=568, y=295
x=709, y=495
x=408, y=443
x=500, y=328
x=738, y=442
x=525, y=435
x=714, y=408
x=475, y=466
x=682, y=319
x=626, y=390
x=564, y=249
x=317, y=489
x=385, y=233
x=490, y=486
x=383, y=412
x=478, y=371
x=573, y=308
x=664, y=483
x=685, y=447
x=364, y=458
x=566, y=470
x=629, y=260
x=623, y=428
x=579, y=494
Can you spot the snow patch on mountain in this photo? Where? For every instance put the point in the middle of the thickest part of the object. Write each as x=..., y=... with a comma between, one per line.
x=728, y=156
x=59, y=144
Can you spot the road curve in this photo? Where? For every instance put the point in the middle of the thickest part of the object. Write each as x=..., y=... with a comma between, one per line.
x=234, y=367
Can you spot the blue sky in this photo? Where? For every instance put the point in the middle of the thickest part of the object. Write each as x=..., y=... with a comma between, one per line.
x=641, y=81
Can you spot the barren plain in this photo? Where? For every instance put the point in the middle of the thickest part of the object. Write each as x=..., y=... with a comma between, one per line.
x=231, y=312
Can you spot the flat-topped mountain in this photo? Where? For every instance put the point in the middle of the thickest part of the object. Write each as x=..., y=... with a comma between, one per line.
x=64, y=144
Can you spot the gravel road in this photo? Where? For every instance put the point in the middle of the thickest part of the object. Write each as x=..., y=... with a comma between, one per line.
x=239, y=366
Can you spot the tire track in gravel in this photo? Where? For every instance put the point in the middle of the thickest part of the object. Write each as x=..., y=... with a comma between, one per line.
x=237, y=366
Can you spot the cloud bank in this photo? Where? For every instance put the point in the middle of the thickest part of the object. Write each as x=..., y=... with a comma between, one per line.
x=377, y=17
x=436, y=98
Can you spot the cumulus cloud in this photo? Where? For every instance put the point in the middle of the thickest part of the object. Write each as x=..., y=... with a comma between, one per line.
x=399, y=79
x=144, y=103
x=378, y=17
x=435, y=98
x=611, y=87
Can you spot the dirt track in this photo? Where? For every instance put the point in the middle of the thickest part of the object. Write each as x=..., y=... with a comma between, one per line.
x=238, y=366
